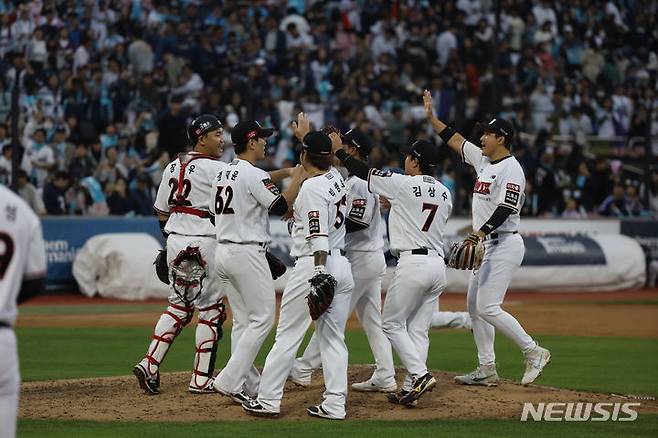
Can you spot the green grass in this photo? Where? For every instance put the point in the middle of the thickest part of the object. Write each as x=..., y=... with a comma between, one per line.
x=618, y=365
x=86, y=309
x=644, y=426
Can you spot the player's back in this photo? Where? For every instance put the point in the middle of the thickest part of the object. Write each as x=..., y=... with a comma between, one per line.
x=420, y=206
x=185, y=192
x=22, y=251
x=319, y=211
x=243, y=195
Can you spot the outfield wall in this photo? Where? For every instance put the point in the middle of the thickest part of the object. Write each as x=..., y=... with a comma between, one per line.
x=580, y=255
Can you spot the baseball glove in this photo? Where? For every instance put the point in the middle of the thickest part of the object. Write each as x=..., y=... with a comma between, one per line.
x=322, y=294
x=161, y=266
x=468, y=254
x=277, y=268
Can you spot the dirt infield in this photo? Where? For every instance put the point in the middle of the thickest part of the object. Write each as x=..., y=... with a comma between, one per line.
x=120, y=399
x=580, y=314
x=620, y=314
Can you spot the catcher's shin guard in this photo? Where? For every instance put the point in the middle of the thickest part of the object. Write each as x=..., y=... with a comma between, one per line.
x=169, y=326
x=208, y=334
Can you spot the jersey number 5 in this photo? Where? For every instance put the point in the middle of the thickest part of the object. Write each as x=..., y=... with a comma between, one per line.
x=432, y=208
x=222, y=206
x=7, y=253
x=340, y=216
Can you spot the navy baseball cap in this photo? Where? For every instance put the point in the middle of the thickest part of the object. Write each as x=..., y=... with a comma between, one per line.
x=359, y=140
x=425, y=152
x=245, y=131
x=317, y=142
x=202, y=125
x=500, y=127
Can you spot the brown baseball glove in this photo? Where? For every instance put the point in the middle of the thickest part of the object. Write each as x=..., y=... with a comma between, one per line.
x=468, y=254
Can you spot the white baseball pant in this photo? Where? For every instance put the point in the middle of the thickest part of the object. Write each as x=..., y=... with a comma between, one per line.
x=368, y=268
x=486, y=292
x=252, y=299
x=294, y=320
x=410, y=302
x=9, y=383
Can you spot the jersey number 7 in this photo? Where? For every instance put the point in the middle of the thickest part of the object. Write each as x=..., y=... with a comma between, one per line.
x=432, y=208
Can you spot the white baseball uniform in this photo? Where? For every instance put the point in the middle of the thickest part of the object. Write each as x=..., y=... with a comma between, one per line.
x=420, y=206
x=22, y=256
x=241, y=198
x=499, y=182
x=184, y=195
x=319, y=214
x=365, y=253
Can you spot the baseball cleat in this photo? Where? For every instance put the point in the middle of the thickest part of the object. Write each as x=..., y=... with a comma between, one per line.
x=421, y=385
x=535, y=361
x=370, y=386
x=150, y=384
x=254, y=407
x=395, y=398
x=208, y=389
x=484, y=375
x=319, y=412
x=237, y=397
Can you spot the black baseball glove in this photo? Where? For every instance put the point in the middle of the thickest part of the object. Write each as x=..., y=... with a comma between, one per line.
x=277, y=268
x=323, y=286
x=161, y=266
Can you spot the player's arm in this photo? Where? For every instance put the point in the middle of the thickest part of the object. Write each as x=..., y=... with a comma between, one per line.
x=279, y=175
x=356, y=167
x=452, y=138
x=509, y=200
x=162, y=219
x=361, y=208
x=284, y=201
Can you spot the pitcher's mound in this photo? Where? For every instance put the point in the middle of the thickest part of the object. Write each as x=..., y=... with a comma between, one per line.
x=120, y=399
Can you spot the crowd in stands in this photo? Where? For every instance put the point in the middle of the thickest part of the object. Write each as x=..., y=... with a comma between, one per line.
x=108, y=86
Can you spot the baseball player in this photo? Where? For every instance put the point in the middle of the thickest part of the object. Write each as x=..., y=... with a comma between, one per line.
x=445, y=319
x=363, y=243
x=497, y=201
x=22, y=271
x=318, y=243
x=182, y=203
x=242, y=197
x=420, y=206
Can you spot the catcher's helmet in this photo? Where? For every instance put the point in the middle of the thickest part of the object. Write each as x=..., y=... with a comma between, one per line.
x=202, y=125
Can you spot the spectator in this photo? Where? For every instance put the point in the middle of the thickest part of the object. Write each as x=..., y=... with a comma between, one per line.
x=54, y=194
x=5, y=165
x=171, y=126
x=82, y=164
x=118, y=200
x=617, y=204
x=64, y=150
x=141, y=197
x=39, y=158
x=573, y=211
x=29, y=193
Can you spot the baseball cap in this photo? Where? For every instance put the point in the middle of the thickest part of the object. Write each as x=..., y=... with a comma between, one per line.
x=426, y=152
x=359, y=140
x=317, y=142
x=499, y=126
x=202, y=125
x=245, y=131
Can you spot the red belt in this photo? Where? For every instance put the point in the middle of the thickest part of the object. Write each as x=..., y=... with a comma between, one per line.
x=193, y=211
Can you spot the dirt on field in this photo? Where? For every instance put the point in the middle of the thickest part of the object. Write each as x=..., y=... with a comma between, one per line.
x=120, y=399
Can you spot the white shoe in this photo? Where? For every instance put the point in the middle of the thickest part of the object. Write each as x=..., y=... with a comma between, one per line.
x=535, y=361
x=299, y=380
x=370, y=386
x=484, y=375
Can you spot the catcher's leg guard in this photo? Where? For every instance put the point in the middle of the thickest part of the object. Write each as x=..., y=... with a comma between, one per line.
x=169, y=326
x=208, y=333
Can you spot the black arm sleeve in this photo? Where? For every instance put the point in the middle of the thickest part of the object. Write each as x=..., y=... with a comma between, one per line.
x=162, y=229
x=354, y=166
x=30, y=289
x=279, y=206
x=351, y=226
x=499, y=216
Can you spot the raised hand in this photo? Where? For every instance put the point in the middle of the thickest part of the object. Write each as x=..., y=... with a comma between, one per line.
x=302, y=126
x=336, y=142
x=427, y=103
